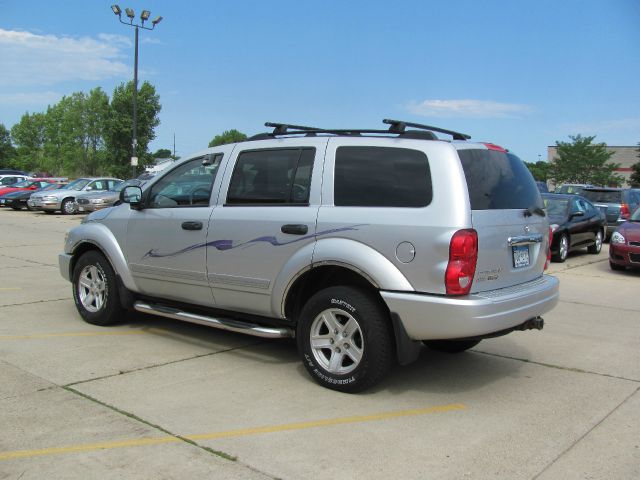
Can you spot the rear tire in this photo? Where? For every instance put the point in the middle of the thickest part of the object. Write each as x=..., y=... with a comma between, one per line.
x=563, y=249
x=451, y=346
x=596, y=247
x=95, y=290
x=345, y=339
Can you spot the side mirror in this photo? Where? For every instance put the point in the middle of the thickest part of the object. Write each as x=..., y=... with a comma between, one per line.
x=133, y=196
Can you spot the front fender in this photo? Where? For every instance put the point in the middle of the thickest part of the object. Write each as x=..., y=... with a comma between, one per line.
x=99, y=235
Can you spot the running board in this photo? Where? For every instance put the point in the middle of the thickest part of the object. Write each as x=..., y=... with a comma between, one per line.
x=221, y=323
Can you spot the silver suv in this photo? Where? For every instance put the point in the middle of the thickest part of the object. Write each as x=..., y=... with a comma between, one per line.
x=361, y=244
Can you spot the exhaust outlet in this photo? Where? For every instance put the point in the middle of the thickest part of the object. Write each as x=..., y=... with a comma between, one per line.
x=536, y=323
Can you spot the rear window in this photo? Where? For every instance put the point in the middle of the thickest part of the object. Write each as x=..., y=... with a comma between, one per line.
x=382, y=177
x=498, y=181
x=603, y=196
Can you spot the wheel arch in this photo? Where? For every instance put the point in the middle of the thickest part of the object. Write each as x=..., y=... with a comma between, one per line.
x=99, y=238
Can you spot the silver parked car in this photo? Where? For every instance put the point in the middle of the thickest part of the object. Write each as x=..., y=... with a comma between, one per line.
x=90, y=202
x=65, y=199
x=362, y=244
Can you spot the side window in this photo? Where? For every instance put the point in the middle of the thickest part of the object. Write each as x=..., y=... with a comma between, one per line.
x=276, y=176
x=188, y=185
x=382, y=177
x=97, y=185
x=111, y=184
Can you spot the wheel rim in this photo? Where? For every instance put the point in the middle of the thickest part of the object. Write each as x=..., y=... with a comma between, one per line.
x=92, y=288
x=69, y=207
x=564, y=247
x=336, y=341
x=598, y=241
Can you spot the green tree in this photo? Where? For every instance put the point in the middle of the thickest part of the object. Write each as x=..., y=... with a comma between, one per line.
x=582, y=161
x=119, y=125
x=228, y=136
x=7, y=151
x=162, y=153
x=634, y=180
x=28, y=136
x=539, y=170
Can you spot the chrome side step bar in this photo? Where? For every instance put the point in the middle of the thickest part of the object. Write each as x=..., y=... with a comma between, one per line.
x=221, y=323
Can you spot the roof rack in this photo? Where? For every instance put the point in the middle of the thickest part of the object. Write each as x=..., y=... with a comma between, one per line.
x=398, y=127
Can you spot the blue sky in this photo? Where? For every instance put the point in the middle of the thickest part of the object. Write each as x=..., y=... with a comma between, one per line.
x=521, y=74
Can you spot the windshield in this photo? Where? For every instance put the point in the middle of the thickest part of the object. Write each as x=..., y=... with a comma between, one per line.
x=603, y=196
x=122, y=185
x=556, y=206
x=22, y=184
x=77, y=184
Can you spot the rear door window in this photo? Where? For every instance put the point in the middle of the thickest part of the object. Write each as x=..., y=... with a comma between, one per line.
x=498, y=180
x=382, y=177
x=603, y=196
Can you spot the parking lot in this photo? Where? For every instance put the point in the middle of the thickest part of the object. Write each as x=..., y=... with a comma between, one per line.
x=154, y=398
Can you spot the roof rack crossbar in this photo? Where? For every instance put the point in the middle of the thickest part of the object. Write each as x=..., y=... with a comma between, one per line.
x=282, y=128
x=399, y=126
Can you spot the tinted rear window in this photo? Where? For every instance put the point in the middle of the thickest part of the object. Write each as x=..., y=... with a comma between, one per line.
x=498, y=181
x=382, y=177
x=603, y=196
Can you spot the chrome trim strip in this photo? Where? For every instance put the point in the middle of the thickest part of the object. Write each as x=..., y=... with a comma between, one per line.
x=525, y=239
x=239, y=281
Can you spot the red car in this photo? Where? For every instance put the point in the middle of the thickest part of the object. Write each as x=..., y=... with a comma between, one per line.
x=624, y=249
x=31, y=184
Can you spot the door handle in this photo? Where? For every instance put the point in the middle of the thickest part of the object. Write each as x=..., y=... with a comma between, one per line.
x=294, y=229
x=192, y=225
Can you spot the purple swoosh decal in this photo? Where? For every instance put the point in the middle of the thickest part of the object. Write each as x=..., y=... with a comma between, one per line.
x=223, y=245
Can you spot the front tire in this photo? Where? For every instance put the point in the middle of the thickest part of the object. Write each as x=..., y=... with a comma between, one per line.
x=95, y=291
x=345, y=339
x=615, y=266
x=68, y=207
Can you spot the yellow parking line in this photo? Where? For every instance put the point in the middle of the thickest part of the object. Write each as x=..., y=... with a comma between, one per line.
x=10, y=289
x=232, y=433
x=71, y=334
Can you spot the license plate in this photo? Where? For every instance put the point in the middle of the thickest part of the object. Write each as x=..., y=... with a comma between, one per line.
x=520, y=256
x=81, y=209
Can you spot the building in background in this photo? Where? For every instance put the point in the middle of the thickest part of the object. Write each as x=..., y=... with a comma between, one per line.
x=625, y=156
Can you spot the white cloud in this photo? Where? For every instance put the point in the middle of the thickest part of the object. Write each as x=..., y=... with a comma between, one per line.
x=31, y=59
x=467, y=109
x=24, y=99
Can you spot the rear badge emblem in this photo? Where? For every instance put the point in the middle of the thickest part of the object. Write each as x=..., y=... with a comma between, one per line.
x=527, y=229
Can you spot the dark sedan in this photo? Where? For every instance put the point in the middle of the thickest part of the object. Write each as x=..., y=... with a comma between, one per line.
x=624, y=249
x=576, y=224
x=18, y=200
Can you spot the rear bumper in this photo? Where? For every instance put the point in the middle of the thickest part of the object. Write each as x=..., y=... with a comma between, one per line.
x=432, y=317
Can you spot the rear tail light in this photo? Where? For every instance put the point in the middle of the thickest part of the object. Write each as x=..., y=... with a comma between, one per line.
x=463, y=256
x=548, y=262
x=624, y=211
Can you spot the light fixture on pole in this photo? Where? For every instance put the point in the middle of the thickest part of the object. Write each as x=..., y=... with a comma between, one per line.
x=144, y=16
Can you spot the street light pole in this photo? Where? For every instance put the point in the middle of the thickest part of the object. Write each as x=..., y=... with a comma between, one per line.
x=144, y=16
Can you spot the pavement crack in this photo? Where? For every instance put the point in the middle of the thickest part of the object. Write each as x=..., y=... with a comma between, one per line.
x=557, y=367
x=135, y=417
x=158, y=365
x=599, y=306
x=579, y=439
x=37, y=301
